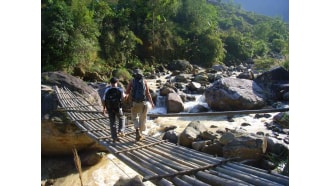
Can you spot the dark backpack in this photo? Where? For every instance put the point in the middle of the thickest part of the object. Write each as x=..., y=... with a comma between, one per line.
x=138, y=90
x=113, y=99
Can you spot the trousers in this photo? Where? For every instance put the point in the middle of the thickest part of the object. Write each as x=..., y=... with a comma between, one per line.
x=121, y=123
x=139, y=115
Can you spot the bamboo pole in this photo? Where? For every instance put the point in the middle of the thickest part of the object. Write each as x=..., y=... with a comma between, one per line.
x=170, y=154
x=197, y=154
x=190, y=157
x=242, y=176
x=156, y=163
x=191, y=171
x=260, y=174
x=260, y=170
x=227, y=177
x=82, y=111
x=135, y=166
x=215, y=180
x=90, y=119
x=180, y=182
x=146, y=164
x=223, y=113
x=171, y=162
x=78, y=106
x=164, y=182
x=142, y=146
x=179, y=150
x=194, y=181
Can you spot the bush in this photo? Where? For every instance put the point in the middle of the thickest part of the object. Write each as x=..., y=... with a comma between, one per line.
x=122, y=73
x=286, y=64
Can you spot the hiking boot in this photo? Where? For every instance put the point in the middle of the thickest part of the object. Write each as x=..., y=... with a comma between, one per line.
x=139, y=136
x=121, y=134
x=116, y=139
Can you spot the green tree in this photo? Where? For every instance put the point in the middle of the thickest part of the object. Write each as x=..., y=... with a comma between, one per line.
x=117, y=41
x=85, y=36
x=56, y=30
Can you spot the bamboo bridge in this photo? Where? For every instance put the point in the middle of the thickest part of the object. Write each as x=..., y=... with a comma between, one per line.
x=159, y=161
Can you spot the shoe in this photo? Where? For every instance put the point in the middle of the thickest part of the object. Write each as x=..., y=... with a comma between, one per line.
x=139, y=136
x=121, y=134
x=116, y=139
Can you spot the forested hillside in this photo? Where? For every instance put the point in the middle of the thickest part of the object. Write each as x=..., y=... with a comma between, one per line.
x=103, y=35
x=273, y=8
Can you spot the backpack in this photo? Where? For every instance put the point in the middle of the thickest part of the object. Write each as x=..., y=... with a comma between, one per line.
x=113, y=99
x=138, y=90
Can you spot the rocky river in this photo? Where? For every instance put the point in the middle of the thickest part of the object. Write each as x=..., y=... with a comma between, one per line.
x=60, y=170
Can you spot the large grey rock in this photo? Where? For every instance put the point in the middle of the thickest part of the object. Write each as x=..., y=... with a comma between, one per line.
x=58, y=133
x=174, y=103
x=191, y=132
x=246, y=147
x=180, y=65
x=234, y=94
x=275, y=83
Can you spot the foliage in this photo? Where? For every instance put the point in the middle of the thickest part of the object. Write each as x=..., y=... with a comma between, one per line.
x=122, y=74
x=102, y=35
x=264, y=64
x=286, y=64
x=57, y=28
x=279, y=160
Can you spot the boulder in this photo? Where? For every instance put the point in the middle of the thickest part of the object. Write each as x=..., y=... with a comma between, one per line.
x=246, y=147
x=275, y=83
x=234, y=94
x=180, y=65
x=174, y=103
x=58, y=133
x=193, y=130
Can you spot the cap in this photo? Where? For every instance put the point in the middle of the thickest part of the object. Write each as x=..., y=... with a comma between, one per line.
x=113, y=80
x=138, y=71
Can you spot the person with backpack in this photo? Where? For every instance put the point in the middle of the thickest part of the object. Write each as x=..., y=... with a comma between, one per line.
x=138, y=89
x=112, y=103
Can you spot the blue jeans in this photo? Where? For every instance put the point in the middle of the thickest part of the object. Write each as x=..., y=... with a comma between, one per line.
x=113, y=128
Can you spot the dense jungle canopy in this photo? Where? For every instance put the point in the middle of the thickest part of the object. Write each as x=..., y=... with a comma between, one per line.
x=101, y=35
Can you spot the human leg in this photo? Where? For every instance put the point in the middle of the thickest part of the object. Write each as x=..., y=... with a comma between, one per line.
x=121, y=125
x=113, y=128
x=143, y=117
x=134, y=115
x=137, y=110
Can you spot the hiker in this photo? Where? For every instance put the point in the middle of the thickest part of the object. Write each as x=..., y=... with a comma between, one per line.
x=112, y=102
x=138, y=89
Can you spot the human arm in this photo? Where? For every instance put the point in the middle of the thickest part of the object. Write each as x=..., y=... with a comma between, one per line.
x=128, y=90
x=104, y=108
x=103, y=101
x=149, y=96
